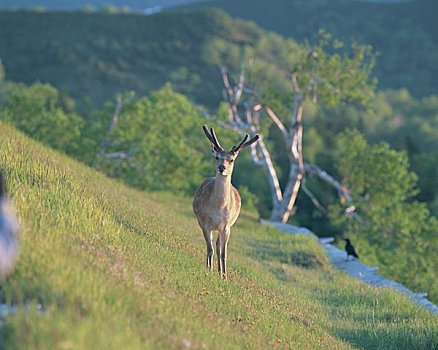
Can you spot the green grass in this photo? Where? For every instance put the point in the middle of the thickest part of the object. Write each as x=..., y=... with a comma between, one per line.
x=114, y=268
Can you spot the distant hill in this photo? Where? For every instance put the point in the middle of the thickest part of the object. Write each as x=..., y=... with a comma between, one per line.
x=93, y=56
x=98, y=55
x=76, y=4
x=403, y=33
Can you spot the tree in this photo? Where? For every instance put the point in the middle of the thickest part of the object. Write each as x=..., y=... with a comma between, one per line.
x=155, y=142
x=317, y=74
x=38, y=111
x=397, y=232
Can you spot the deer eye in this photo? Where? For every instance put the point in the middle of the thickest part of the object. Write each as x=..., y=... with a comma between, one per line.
x=231, y=160
x=217, y=158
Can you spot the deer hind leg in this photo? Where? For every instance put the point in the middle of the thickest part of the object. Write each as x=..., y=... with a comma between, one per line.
x=208, y=235
x=222, y=251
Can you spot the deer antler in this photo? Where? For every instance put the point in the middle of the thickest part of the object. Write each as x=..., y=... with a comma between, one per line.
x=237, y=148
x=216, y=142
x=244, y=144
x=212, y=137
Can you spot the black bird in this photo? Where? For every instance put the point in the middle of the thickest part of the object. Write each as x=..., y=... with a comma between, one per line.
x=349, y=248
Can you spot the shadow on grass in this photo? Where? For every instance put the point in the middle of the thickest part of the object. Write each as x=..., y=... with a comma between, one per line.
x=363, y=316
x=392, y=337
x=295, y=251
x=380, y=319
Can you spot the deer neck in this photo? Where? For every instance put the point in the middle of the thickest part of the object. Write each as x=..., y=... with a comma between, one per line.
x=222, y=190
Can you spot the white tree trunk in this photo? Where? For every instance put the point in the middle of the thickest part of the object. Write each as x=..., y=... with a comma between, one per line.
x=283, y=201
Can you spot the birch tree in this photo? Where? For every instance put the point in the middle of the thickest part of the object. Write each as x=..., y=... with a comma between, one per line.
x=319, y=75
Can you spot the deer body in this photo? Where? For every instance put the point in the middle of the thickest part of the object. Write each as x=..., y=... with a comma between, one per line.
x=217, y=202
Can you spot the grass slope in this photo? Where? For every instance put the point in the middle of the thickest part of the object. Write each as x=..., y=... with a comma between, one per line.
x=114, y=268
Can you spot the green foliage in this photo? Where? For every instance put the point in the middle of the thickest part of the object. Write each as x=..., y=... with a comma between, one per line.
x=378, y=171
x=398, y=233
x=395, y=117
x=340, y=75
x=97, y=55
x=324, y=73
x=160, y=133
x=163, y=134
x=389, y=27
x=114, y=268
x=249, y=200
x=112, y=10
x=412, y=124
x=37, y=111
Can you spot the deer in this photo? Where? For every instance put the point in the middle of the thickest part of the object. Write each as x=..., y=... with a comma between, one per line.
x=217, y=203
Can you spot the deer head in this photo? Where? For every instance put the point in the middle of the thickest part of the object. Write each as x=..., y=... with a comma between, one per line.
x=225, y=159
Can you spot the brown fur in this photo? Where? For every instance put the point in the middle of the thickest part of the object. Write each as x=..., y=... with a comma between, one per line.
x=210, y=212
x=217, y=203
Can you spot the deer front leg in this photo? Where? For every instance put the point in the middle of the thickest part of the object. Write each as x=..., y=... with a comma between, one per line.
x=224, y=236
x=219, y=254
x=208, y=235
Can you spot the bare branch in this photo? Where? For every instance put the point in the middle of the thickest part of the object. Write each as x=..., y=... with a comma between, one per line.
x=315, y=93
x=251, y=122
x=295, y=86
x=277, y=122
x=233, y=113
x=300, y=147
x=328, y=84
x=113, y=123
x=290, y=192
x=256, y=159
x=323, y=175
x=269, y=167
x=222, y=124
x=226, y=81
x=312, y=197
x=344, y=192
x=116, y=155
x=125, y=157
x=240, y=85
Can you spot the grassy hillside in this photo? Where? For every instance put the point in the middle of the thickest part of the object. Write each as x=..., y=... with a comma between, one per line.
x=404, y=34
x=96, y=56
x=114, y=268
